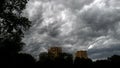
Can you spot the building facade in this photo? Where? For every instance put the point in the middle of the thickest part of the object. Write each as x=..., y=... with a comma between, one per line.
x=54, y=52
x=81, y=54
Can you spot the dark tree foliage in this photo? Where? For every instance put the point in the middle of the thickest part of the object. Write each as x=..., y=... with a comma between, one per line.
x=115, y=59
x=82, y=62
x=43, y=58
x=23, y=60
x=12, y=28
x=66, y=60
x=12, y=24
x=60, y=61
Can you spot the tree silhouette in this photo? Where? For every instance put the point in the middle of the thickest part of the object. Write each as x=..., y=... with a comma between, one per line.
x=12, y=28
x=82, y=62
x=43, y=58
x=65, y=59
x=61, y=60
x=12, y=24
x=115, y=59
x=23, y=59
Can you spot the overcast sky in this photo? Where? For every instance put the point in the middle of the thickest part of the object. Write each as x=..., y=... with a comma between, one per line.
x=92, y=25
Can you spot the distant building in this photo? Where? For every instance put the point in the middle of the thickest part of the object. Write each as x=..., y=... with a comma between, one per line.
x=54, y=52
x=81, y=54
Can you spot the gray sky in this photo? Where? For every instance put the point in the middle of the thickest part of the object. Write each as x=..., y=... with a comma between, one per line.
x=92, y=25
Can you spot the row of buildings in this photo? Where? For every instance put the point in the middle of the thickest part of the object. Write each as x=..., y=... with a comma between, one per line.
x=56, y=51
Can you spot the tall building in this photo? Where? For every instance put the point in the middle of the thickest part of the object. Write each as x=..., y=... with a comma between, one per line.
x=54, y=52
x=81, y=54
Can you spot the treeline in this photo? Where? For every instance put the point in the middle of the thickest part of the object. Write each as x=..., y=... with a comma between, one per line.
x=21, y=59
x=68, y=60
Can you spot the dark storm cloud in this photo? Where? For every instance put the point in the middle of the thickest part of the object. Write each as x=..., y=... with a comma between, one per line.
x=106, y=18
x=104, y=52
x=92, y=25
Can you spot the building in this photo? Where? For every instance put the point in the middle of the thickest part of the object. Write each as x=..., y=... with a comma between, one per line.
x=81, y=54
x=54, y=52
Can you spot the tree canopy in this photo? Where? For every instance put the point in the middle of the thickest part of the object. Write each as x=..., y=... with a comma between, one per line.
x=12, y=23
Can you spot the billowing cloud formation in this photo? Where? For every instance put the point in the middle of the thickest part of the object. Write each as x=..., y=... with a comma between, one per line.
x=74, y=25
